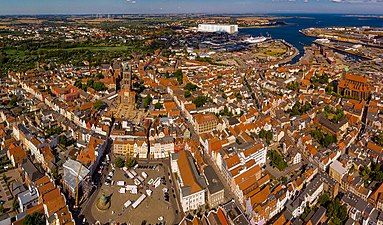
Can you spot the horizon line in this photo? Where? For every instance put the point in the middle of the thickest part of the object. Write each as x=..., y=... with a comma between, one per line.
x=164, y=13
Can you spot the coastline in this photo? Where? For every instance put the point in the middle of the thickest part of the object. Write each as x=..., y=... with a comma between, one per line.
x=276, y=25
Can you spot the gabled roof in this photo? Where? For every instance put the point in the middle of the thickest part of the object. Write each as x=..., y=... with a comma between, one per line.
x=188, y=173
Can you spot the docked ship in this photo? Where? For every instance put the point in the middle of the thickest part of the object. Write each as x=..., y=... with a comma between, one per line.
x=255, y=40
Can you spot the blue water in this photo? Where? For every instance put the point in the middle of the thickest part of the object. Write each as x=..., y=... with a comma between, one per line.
x=291, y=34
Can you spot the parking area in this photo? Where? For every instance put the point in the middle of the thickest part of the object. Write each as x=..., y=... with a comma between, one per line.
x=137, y=195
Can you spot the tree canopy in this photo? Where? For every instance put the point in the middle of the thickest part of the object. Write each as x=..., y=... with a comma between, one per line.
x=98, y=105
x=322, y=138
x=266, y=135
x=187, y=94
x=158, y=105
x=33, y=219
x=119, y=162
x=200, y=101
x=276, y=159
x=179, y=75
x=298, y=109
x=190, y=87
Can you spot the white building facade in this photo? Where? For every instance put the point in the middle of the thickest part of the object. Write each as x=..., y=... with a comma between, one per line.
x=225, y=28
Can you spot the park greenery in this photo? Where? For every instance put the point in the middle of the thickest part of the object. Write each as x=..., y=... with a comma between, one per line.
x=323, y=139
x=333, y=115
x=31, y=54
x=277, y=160
x=299, y=109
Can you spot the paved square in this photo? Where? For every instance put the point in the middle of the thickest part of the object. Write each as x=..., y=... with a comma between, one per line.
x=150, y=210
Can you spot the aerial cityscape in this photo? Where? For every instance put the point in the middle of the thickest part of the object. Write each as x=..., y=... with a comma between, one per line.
x=154, y=112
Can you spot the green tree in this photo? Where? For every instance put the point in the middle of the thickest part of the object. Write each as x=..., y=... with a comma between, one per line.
x=90, y=83
x=226, y=112
x=379, y=139
x=13, y=102
x=324, y=199
x=147, y=101
x=158, y=105
x=342, y=213
x=266, y=135
x=119, y=162
x=130, y=162
x=99, y=86
x=298, y=109
x=179, y=75
x=190, y=87
x=15, y=204
x=98, y=105
x=100, y=76
x=323, y=139
x=33, y=219
x=277, y=160
x=187, y=94
x=294, y=86
x=63, y=140
x=78, y=83
x=2, y=209
x=55, y=173
x=200, y=101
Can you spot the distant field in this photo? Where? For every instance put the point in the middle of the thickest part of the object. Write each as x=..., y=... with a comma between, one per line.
x=22, y=21
x=91, y=48
x=94, y=48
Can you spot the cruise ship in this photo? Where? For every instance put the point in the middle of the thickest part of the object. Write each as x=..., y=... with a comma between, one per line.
x=255, y=40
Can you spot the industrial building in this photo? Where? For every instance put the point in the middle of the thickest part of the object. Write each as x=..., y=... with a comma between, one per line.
x=225, y=28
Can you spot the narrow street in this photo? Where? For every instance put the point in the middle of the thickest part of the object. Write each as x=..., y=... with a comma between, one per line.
x=229, y=195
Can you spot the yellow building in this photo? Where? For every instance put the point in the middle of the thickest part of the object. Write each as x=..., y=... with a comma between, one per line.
x=123, y=147
x=205, y=122
x=337, y=171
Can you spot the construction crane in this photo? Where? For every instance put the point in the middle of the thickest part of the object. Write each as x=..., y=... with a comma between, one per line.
x=78, y=174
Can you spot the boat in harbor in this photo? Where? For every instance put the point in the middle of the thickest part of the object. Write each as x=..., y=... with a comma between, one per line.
x=255, y=40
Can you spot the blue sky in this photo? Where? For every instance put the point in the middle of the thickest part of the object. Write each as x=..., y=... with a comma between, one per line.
x=189, y=6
